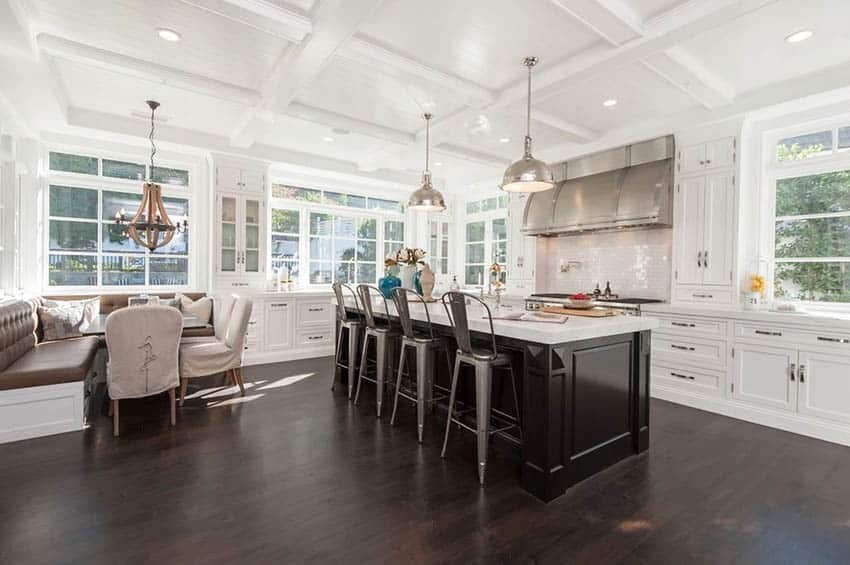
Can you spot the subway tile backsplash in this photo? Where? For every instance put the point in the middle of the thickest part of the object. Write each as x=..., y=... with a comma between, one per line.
x=636, y=262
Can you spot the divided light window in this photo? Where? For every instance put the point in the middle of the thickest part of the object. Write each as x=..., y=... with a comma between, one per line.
x=342, y=248
x=318, y=196
x=286, y=240
x=814, y=144
x=85, y=248
x=486, y=238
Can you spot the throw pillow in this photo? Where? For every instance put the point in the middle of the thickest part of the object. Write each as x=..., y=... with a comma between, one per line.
x=201, y=308
x=64, y=319
x=173, y=302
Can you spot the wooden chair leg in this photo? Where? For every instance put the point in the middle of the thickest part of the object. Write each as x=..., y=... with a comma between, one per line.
x=238, y=374
x=172, y=393
x=231, y=377
x=184, y=384
x=114, y=418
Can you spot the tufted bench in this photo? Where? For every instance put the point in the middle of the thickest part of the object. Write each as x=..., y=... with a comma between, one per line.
x=41, y=384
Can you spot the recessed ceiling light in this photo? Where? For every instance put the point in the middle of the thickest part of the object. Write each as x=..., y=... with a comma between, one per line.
x=168, y=34
x=439, y=163
x=799, y=36
x=505, y=140
x=610, y=102
x=328, y=138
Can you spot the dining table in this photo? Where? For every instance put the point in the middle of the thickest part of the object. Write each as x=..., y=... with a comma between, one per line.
x=98, y=324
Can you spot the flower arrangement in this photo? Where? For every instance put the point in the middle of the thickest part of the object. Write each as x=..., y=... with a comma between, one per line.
x=405, y=256
x=495, y=271
x=757, y=284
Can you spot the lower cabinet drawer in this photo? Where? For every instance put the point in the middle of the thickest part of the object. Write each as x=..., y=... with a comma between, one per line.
x=703, y=381
x=688, y=349
x=704, y=295
x=315, y=338
x=315, y=313
x=688, y=325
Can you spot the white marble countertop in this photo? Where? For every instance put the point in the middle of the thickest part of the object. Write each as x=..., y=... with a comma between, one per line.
x=819, y=319
x=574, y=329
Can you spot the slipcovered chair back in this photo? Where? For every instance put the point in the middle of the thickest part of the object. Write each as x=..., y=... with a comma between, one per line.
x=143, y=344
x=18, y=322
x=222, y=308
x=237, y=326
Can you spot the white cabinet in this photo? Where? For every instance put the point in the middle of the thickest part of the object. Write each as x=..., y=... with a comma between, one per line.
x=716, y=154
x=240, y=234
x=522, y=249
x=765, y=376
x=823, y=381
x=237, y=179
x=278, y=325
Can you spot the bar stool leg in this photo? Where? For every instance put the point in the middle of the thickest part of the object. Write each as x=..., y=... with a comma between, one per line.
x=353, y=336
x=398, y=382
x=483, y=378
x=451, y=405
x=336, y=355
x=381, y=346
x=424, y=379
x=363, y=363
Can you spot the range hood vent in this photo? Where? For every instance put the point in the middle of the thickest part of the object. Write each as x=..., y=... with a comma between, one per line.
x=626, y=187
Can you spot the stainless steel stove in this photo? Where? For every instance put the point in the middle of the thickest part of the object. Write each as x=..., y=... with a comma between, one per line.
x=631, y=305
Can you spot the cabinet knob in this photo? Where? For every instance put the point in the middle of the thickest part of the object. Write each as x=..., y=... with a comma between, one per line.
x=708, y=161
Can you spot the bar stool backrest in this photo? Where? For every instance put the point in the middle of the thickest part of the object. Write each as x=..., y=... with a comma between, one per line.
x=366, y=293
x=455, y=304
x=341, y=313
x=401, y=298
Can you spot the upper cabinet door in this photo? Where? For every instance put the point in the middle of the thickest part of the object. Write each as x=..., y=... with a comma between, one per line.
x=718, y=229
x=720, y=153
x=228, y=244
x=252, y=221
x=692, y=159
x=689, y=230
x=228, y=179
x=824, y=386
x=765, y=376
x=253, y=181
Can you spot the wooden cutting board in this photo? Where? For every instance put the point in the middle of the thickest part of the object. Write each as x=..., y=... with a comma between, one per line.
x=589, y=313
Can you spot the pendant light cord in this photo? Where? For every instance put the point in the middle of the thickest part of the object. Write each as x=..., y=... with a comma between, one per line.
x=528, y=107
x=153, y=106
x=427, y=142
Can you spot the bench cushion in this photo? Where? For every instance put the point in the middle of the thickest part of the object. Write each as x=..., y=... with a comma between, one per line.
x=17, y=330
x=50, y=363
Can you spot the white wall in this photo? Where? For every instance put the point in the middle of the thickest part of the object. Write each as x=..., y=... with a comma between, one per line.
x=636, y=262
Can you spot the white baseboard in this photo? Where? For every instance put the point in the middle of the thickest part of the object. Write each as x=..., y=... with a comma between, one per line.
x=279, y=356
x=42, y=410
x=790, y=422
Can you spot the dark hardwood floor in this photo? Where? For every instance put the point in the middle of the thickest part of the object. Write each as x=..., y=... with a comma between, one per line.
x=293, y=473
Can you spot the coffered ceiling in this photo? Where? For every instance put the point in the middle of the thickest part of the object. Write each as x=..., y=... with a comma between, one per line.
x=342, y=84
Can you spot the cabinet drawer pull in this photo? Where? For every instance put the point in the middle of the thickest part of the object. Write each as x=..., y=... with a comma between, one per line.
x=315, y=337
x=699, y=259
x=793, y=371
x=681, y=376
x=683, y=325
x=315, y=309
x=802, y=373
x=283, y=305
x=833, y=339
x=703, y=296
x=682, y=347
x=765, y=332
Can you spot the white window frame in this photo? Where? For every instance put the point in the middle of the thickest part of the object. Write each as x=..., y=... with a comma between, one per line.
x=305, y=208
x=101, y=183
x=773, y=171
x=487, y=217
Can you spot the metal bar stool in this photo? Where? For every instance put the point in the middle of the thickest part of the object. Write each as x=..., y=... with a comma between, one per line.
x=425, y=345
x=354, y=325
x=384, y=334
x=484, y=360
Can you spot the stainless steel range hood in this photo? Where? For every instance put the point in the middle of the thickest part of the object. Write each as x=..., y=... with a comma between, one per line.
x=627, y=187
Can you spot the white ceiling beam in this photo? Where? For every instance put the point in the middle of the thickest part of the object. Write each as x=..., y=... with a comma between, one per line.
x=684, y=71
x=134, y=128
x=334, y=22
x=475, y=156
x=335, y=119
x=579, y=132
x=123, y=64
x=613, y=20
x=364, y=50
x=261, y=15
x=57, y=85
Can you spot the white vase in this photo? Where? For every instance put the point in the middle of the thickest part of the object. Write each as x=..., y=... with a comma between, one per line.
x=426, y=281
x=407, y=274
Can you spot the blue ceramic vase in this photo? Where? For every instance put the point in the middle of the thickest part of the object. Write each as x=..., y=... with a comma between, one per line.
x=387, y=284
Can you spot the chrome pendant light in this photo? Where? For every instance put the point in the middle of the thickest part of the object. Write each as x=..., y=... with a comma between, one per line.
x=528, y=174
x=426, y=197
x=150, y=226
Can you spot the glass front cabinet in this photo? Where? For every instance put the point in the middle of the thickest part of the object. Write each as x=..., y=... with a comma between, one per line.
x=240, y=233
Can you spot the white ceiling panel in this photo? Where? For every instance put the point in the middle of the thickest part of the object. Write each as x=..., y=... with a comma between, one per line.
x=648, y=9
x=752, y=51
x=640, y=93
x=113, y=93
x=309, y=137
x=485, y=133
x=378, y=94
x=479, y=40
x=211, y=45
